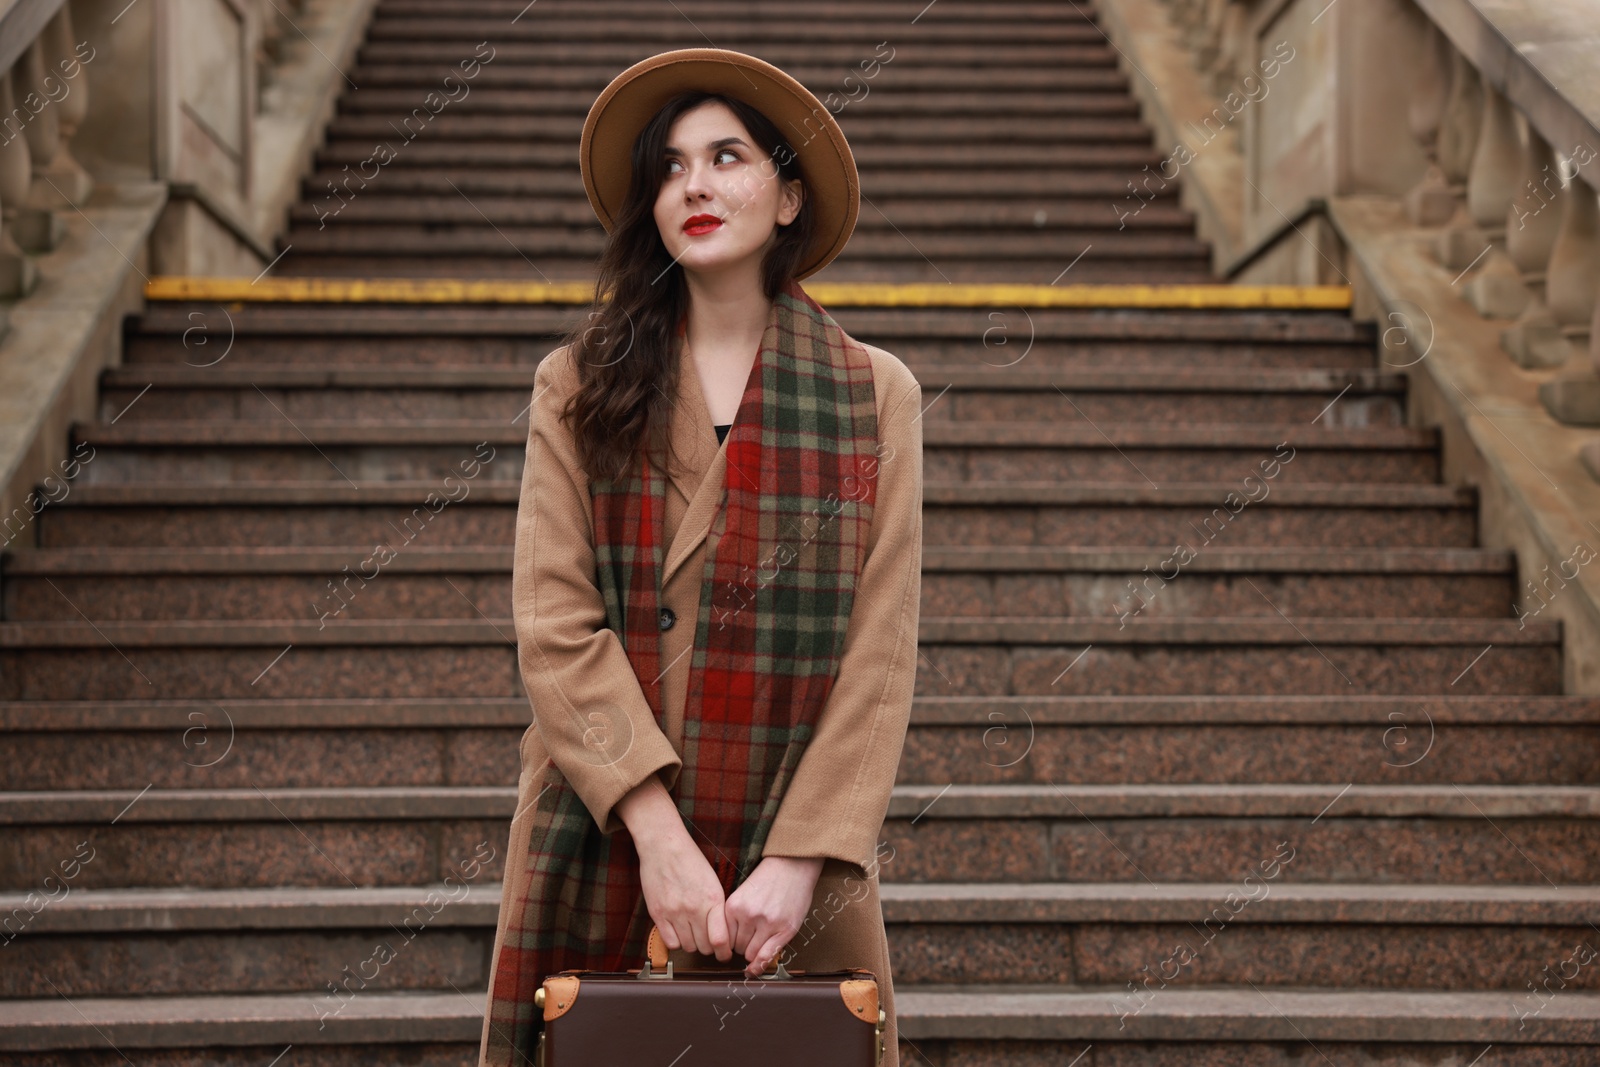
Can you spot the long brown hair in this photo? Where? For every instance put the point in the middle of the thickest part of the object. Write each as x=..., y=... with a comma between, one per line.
x=624, y=346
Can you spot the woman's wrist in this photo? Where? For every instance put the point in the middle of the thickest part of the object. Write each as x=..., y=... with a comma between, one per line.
x=811, y=864
x=649, y=813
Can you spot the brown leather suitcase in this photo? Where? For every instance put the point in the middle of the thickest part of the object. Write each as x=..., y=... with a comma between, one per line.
x=709, y=1018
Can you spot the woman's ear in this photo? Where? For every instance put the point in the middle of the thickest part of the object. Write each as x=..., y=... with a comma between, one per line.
x=794, y=194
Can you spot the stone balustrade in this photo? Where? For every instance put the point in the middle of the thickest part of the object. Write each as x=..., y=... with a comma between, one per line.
x=43, y=99
x=1500, y=110
x=139, y=138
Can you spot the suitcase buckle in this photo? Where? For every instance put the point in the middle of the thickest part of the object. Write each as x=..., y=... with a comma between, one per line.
x=781, y=972
x=644, y=972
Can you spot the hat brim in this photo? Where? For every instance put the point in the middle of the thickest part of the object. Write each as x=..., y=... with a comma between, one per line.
x=633, y=98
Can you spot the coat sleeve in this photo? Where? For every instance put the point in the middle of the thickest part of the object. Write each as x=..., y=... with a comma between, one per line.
x=836, y=802
x=589, y=709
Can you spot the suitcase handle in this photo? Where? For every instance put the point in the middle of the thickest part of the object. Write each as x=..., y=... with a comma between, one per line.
x=656, y=957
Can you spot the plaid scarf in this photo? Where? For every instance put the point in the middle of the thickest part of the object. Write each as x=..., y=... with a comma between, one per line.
x=774, y=607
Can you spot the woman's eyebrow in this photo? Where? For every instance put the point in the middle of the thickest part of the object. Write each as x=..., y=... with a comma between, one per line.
x=724, y=142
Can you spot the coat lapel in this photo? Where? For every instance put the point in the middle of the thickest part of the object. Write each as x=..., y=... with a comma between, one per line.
x=701, y=480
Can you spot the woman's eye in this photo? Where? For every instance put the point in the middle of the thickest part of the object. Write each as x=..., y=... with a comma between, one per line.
x=671, y=163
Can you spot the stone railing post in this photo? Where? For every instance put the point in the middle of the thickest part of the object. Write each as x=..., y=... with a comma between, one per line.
x=1572, y=293
x=68, y=183
x=1430, y=202
x=1533, y=222
x=43, y=101
x=18, y=275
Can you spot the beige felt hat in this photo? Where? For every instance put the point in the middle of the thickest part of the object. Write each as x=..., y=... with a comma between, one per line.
x=634, y=97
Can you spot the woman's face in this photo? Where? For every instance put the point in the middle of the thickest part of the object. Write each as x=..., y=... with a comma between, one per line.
x=714, y=168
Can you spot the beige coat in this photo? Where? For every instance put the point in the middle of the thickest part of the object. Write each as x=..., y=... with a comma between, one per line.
x=571, y=664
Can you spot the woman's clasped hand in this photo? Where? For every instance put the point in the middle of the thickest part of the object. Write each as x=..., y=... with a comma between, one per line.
x=684, y=896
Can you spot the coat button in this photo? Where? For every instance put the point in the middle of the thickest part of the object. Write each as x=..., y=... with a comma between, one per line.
x=668, y=617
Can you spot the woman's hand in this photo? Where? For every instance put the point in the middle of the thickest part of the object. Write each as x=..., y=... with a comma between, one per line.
x=769, y=907
x=681, y=890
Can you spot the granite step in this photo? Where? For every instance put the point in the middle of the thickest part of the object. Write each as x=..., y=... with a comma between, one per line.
x=149, y=392
x=518, y=253
x=837, y=10
x=1120, y=124
x=908, y=75
x=114, y=584
x=172, y=942
x=997, y=452
x=1271, y=1026
x=599, y=53
x=921, y=205
x=550, y=164
x=669, y=27
x=209, y=743
x=551, y=247
x=204, y=335
x=883, y=99
x=984, y=352
x=1052, y=832
x=1010, y=655
x=580, y=14
x=483, y=513
x=1039, y=193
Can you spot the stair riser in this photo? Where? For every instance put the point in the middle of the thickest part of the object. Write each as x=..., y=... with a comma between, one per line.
x=1142, y=465
x=1288, y=1050
x=460, y=525
x=363, y=350
x=346, y=595
x=463, y=1052
x=1390, y=850
x=1033, y=201
x=1118, y=125
x=998, y=350
x=496, y=406
x=302, y=852
x=208, y=754
x=958, y=670
x=549, y=165
x=467, y=524
x=916, y=352
x=500, y=406
x=251, y=672
x=337, y=595
x=1146, y=595
x=918, y=1047
x=211, y=753
x=1171, y=669
x=882, y=102
x=1414, y=751
x=584, y=56
x=222, y=464
x=503, y=263
x=972, y=464
x=473, y=236
x=399, y=852
x=1218, y=948
x=420, y=954
x=1198, y=528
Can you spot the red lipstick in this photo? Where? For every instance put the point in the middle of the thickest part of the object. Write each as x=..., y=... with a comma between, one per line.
x=699, y=224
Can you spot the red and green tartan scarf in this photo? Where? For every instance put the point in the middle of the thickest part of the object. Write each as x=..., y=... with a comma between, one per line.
x=774, y=607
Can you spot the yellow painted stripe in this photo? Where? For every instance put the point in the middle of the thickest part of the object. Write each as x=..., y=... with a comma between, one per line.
x=846, y=294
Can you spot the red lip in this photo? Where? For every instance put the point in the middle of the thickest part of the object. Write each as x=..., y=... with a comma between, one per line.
x=698, y=224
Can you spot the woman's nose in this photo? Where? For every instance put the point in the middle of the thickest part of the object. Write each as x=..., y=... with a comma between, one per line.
x=697, y=186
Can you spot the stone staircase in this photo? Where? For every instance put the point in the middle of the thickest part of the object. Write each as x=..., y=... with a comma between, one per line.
x=1306, y=793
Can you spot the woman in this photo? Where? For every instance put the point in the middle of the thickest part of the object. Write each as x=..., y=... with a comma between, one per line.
x=719, y=644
